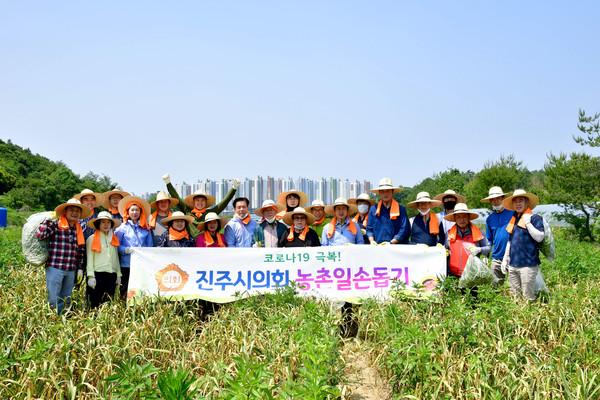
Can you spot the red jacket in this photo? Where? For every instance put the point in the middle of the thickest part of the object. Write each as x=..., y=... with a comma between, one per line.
x=459, y=247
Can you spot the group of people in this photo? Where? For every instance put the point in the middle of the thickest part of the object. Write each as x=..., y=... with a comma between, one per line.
x=99, y=242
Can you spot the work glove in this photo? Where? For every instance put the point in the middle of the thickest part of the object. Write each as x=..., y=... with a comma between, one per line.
x=50, y=216
x=475, y=250
x=526, y=218
x=363, y=231
x=505, y=260
x=129, y=250
x=92, y=282
x=439, y=245
x=348, y=244
x=236, y=183
x=447, y=253
x=384, y=243
x=79, y=276
x=166, y=178
x=118, y=280
x=374, y=243
x=504, y=266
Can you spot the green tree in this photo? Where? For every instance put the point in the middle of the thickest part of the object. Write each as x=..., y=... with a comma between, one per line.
x=31, y=181
x=7, y=180
x=573, y=181
x=590, y=128
x=452, y=178
x=508, y=173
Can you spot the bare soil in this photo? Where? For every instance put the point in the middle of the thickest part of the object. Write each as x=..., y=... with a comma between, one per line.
x=363, y=380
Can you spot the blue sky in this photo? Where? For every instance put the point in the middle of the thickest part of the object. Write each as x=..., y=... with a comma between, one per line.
x=350, y=89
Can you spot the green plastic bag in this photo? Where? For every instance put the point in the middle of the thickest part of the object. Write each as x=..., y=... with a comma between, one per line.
x=476, y=273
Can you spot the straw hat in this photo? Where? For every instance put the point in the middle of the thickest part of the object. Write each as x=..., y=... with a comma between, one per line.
x=315, y=203
x=177, y=215
x=384, y=184
x=288, y=218
x=269, y=203
x=211, y=216
x=85, y=210
x=461, y=208
x=128, y=199
x=362, y=197
x=340, y=201
x=303, y=197
x=163, y=196
x=508, y=202
x=450, y=192
x=423, y=197
x=87, y=192
x=106, y=197
x=495, y=191
x=210, y=200
x=104, y=215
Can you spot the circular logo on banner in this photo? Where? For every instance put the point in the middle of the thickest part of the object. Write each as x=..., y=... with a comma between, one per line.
x=171, y=278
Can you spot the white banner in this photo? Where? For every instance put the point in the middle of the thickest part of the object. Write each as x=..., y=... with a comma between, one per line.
x=349, y=273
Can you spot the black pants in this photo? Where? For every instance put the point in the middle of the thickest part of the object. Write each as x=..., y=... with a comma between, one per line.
x=349, y=323
x=106, y=283
x=124, y=282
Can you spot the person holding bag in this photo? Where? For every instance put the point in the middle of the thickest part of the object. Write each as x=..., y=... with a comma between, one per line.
x=522, y=256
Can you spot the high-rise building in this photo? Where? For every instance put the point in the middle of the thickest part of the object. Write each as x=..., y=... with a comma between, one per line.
x=259, y=189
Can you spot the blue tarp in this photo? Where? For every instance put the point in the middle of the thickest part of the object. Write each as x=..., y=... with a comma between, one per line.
x=3, y=217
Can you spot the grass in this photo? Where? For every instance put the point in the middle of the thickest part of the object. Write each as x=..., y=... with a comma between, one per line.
x=287, y=347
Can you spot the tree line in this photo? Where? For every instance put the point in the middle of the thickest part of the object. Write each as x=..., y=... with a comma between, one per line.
x=30, y=181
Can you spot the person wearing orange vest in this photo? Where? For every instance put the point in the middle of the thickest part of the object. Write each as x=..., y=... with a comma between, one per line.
x=388, y=222
x=211, y=226
x=239, y=231
x=522, y=254
x=317, y=209
x=66, y=249
x=103, y=267
x=111, y=202
x=162, y=204
x=464, y=239
x=425, y=227
x=176, y=234
x=298, y=234
x=268, y=232
x=341, y=230
x=449, y=200
x=364, y=203
x=198, y=203
x=290, y=200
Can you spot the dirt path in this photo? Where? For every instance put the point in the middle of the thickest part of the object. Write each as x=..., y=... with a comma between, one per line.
x=363, y=380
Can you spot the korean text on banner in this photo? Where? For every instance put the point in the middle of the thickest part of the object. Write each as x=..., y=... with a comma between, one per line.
x=222, y=275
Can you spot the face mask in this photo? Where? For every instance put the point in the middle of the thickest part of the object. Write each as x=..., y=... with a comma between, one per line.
x=498, y=208
x=449, y=205
x=270, y=221
x=423, y=212
x=363, y=208
x=297, y=227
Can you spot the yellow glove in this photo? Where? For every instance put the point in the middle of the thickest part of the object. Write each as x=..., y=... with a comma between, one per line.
x=447, y=253
x=79, y=276
x=348, y=244
x=374, y=243
x=384, y=243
